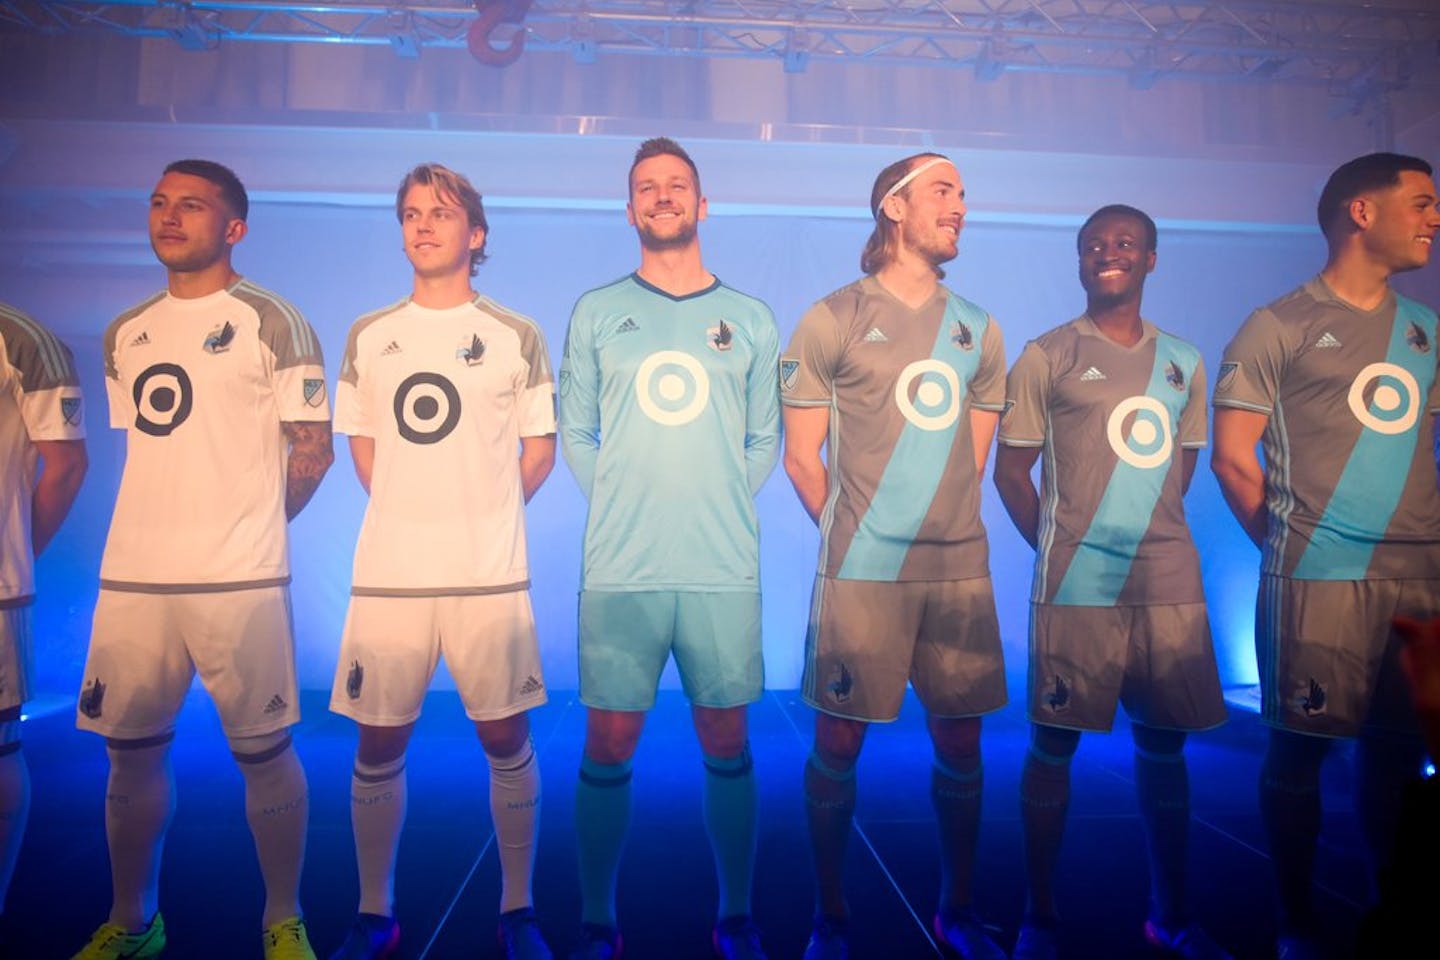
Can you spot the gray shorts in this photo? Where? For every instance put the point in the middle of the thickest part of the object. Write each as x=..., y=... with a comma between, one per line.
x=1157, y=660
x=868, y=637
x=1329, y=661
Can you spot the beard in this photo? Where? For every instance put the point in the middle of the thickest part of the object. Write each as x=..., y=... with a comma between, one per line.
x=683, y=236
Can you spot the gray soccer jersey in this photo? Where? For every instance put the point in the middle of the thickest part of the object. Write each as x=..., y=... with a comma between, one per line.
x=1111, y=422
x=39, y=401
x=1350, y=478
x=904, y=498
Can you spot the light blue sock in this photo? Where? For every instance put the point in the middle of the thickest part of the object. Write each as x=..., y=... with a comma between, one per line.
x=602, y=818
x=732, y=823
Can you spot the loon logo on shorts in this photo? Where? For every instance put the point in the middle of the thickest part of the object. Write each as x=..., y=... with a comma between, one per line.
x=1313, y=699
x=1417, y=339
x=219, y=339
x=276, y=704
x=473, y=353
x=1174, y=375
x=961, y=336
x=531, y=686
x=354, y=680
x=841, y=686
x=720, y=338
x=1058, y=699
x=92, y=699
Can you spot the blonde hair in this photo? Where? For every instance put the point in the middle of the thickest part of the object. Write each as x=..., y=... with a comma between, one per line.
x=450, y=186
x=880, y=248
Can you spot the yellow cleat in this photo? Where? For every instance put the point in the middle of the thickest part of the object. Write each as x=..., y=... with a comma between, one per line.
x=286, y=940
x=114, y=942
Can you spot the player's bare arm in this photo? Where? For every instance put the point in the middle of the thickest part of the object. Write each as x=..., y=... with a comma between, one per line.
x=537, y=458
x=982, y=433
x=1188, y=459
x=311, y=453
x=63, y=466
x=1237, y=467
x=805, y=432
x=1013, y=479
x=362, y=455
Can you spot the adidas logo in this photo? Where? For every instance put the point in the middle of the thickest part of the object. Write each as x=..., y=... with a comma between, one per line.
x=390, y=348
x=142, y=340
x=629, y=326
x=531, y=685
x=276, y=704
x=876, y=335
x=1327, y=341
x=1092, y=374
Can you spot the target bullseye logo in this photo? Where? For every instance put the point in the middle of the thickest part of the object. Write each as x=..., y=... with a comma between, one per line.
x=937, y=397
x=427, y=408
x=1394, y=403
x=672, y=387
x=163, y=399
x=1148, y=444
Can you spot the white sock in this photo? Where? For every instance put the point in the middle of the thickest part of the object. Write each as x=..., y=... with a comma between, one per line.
x=515, y=810
x=139, y=801
x=277, y=806
x=378, y=797
x=14, y=810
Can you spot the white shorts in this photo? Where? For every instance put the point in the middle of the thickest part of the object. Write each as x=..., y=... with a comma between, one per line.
x=392, y=645
x=14, y=656
x=146, y=648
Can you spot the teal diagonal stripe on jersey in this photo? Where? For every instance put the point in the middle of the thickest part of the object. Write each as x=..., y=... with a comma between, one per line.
x=931, y=394
x=1389, y=400
x=1144, y=454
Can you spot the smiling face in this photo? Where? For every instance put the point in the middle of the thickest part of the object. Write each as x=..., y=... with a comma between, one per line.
x=1115, y=258
x=1400, y=222
x=665, y=205
x=437, y=233
x=191, y=227
x=931, y=213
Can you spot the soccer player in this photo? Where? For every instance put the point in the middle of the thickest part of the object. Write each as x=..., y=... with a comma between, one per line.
x=1338, y=379
x=220, y=389
x=669, y=376
x=42, y=462
x=1114, y=409
x=904, y=381
x=437, y=394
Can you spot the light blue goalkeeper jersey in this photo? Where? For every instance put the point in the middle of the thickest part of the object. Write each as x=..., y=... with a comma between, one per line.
x=670, y=421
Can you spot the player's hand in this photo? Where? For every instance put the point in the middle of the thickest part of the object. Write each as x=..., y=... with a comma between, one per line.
x=1420, y=658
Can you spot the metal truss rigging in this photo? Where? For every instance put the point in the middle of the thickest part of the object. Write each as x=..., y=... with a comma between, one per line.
x=1356, y=50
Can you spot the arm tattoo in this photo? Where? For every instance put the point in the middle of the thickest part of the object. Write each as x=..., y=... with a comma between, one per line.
x=311, y=454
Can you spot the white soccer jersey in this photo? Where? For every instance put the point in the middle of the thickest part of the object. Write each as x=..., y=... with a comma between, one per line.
x=201, y=388
x=39, y=400
x=446, y=395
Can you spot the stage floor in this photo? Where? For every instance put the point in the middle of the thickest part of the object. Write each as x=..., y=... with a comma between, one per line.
x=448, y=878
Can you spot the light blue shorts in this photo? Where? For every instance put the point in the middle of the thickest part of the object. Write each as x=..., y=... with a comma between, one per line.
x=626, y=638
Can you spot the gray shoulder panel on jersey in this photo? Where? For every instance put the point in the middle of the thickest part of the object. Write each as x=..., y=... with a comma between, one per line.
x=112, y=332
x=282, y=327
x=43, y=361
x=532, y=339
x=347, y=362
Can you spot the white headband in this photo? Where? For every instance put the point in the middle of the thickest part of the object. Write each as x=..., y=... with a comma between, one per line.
x=900, y=184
